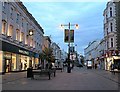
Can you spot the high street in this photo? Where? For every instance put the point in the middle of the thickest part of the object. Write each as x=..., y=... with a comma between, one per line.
x=78, y=79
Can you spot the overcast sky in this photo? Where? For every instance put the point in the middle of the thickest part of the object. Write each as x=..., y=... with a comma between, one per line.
x=89, y=16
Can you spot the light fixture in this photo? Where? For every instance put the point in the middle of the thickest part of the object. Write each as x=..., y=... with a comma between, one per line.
x=30, y=32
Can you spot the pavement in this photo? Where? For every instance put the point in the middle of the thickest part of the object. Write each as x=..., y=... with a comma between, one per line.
x=78, y=79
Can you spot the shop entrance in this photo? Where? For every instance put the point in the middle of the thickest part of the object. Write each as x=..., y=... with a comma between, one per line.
x=7, y=65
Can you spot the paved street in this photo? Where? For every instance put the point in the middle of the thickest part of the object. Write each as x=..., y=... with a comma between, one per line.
x=78, y=79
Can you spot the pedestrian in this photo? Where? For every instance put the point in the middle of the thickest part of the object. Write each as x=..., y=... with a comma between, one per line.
x=46, y=66
x=50, y=67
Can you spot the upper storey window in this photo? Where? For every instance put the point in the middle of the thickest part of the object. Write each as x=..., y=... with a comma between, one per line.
x=111, y=27
x=110, y=11
x=11, y=13
x=3, y=27
x=17, y=19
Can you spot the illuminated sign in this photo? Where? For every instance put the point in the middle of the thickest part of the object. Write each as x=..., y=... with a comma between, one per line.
x=24, y=52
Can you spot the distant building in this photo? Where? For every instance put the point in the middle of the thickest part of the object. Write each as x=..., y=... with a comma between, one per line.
x=90, y=52
x=112, y=33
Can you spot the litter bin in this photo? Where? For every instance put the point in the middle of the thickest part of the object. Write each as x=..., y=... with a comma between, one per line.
x=29, y=73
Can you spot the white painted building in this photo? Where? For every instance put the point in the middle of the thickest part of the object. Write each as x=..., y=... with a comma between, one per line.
x=89, y=51
x=112, y=33
x=21, y=38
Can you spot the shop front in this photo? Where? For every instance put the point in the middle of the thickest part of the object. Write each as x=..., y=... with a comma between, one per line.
x=112, y=57
x=14, y=58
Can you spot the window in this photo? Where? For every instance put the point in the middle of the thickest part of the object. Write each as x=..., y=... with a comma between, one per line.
x=17, y=34
x=22, y=22
x=31, y=42
x=106, y=31
x=3, y=4
x=10, y=31
x=111, y=27
x=3, y=26
x=22, y=36
x=110, y=12
x=111, y=42
x=17, y=19
x=26, y=40
x=11, y=13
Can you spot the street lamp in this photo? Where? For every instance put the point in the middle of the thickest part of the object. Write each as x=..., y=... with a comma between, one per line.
x=31, y=32
x=69, y=25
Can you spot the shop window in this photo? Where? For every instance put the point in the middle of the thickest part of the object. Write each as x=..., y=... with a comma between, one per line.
x=17, y=34
x=14, y=64
x=3, y=26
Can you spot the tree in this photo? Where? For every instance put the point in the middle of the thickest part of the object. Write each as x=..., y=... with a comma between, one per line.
x=48, y=55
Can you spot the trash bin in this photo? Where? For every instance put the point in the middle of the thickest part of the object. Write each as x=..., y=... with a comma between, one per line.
x=29, y=73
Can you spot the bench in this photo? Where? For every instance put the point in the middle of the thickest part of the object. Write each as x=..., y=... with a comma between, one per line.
x=58, y=68
x=47, y=72
x=115, y=71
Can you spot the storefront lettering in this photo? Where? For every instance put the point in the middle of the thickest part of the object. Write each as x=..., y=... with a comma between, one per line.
x=7, y=56
x=24, y=52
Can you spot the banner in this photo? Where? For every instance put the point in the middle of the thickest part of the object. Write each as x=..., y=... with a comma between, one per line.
x=72, y=36
x=66, y=35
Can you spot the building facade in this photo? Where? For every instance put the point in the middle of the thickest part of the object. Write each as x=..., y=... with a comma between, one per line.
x=21, y=38
x=95, y=53
x=57, y=54
x=89, y=51
x=112, y=34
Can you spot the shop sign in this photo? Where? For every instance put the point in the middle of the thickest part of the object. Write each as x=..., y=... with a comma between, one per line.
x=24, y=52
x=7, y=56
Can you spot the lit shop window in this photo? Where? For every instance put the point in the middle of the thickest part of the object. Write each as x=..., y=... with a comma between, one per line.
x=17, y=34
x=3, y=27
x=10, y=31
